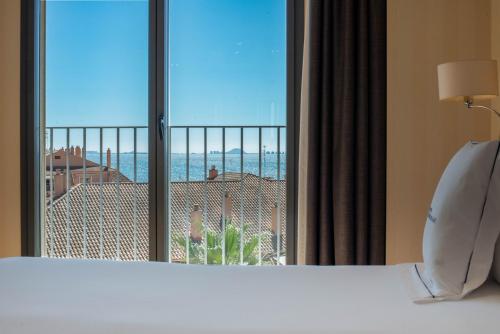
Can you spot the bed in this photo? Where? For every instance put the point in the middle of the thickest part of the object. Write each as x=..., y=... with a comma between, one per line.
x=39, y=295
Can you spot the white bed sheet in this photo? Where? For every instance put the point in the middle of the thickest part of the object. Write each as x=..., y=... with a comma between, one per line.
x=77, y=296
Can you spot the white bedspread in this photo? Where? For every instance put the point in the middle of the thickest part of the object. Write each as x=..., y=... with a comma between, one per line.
x=75, y=296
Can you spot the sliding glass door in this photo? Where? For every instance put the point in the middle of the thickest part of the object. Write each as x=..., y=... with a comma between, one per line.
x=161, y=131
x=227, y=131
x=94, y=108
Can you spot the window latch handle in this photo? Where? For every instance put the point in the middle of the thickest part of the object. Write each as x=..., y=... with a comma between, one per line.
x=161, y=125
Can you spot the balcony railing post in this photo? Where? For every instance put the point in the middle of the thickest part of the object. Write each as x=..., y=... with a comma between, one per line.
x=169, y=196
x=101, y=197
x=278, y=198
x=205, y=194
x=260, y=197
x=84, y=156
x=117, y=203
x=242, y=214
x=68, y=197
x=187, y=197
x=51, y=180
x=223, y=196
x=135, y=195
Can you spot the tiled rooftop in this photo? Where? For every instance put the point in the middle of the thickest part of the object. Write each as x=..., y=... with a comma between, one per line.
x=195, y=190
x=58, y=158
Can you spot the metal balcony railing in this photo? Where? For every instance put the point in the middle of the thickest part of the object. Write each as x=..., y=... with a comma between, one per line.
x=100, y=210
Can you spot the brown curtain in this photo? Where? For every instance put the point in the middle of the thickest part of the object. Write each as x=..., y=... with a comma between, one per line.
x=345, y=185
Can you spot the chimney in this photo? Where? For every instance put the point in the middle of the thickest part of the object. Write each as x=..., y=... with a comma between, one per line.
x=228, y=206
x=72, y=150
x=274, y=218
x=59, y=184
x=212, y=173
x=196, y=228
x=78, y=151
x=108, y=158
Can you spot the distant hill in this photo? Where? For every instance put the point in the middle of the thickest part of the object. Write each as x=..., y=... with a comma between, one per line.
x=233, y=151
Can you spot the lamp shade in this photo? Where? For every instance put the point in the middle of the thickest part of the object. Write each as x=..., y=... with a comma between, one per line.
x=474, y=78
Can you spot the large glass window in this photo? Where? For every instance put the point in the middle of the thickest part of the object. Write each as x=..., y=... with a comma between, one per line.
x=222, y=149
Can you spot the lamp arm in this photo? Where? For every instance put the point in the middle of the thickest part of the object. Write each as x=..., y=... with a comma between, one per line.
x=470, y=105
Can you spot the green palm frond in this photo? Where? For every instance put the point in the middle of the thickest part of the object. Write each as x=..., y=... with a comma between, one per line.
x=232, y=243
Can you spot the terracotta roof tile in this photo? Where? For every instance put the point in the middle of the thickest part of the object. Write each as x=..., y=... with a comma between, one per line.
x=179, y=215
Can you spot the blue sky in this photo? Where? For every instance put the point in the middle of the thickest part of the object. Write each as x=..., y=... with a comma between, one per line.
x=227, y=66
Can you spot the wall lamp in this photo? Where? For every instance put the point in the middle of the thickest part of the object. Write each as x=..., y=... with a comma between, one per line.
x=468, y=81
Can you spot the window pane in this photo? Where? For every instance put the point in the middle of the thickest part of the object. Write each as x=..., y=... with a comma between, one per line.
x=94, y=89
x=227, y=125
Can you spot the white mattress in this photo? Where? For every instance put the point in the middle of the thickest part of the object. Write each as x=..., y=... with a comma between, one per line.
x=76, y=296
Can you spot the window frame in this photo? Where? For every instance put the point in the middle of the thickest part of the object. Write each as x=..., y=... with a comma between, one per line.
x=29, y=114
x=295, y=46
x=31, y=136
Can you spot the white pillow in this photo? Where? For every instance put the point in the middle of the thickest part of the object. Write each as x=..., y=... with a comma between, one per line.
x=462, y=225
x=484, y=248
x=496, y=262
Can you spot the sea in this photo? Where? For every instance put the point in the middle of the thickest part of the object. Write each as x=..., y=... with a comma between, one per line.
x=179, y=161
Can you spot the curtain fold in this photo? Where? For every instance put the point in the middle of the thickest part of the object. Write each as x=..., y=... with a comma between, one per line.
x=342, y=150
